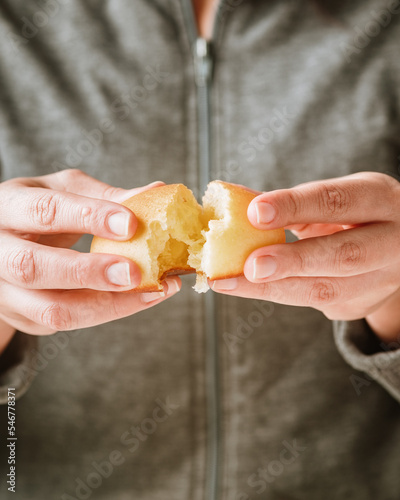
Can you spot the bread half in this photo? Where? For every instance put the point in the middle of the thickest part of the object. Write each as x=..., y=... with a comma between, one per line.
x=169, y=225
x=229, y=237
x=175, y=235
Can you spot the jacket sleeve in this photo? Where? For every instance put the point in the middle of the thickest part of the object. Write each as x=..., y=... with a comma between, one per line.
x=17, y=365
x=379, y=361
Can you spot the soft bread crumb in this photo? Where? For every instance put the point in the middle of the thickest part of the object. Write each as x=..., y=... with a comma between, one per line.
x=182, y=233
x=201, y=285
x=216, y=217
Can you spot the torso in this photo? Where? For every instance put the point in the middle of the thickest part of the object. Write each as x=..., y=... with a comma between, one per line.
x=205, y=13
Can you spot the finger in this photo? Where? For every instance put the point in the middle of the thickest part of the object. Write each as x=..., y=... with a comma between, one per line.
x=72, y=309
x=313, y=230
x=319, y=293
x=30, y=265
x=39, y=210
x=21, y=324
x=346, y=253
x=346, y=200
x=42, y=207
x=59, y=240
x=78, y=182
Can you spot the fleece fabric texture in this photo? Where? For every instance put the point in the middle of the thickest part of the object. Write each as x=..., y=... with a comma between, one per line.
x=301, y=90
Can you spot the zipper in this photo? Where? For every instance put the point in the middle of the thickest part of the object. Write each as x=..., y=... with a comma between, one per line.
x=203, y=72
x=203, y=69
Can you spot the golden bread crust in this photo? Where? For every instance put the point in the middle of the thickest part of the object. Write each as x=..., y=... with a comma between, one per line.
x=148, y=206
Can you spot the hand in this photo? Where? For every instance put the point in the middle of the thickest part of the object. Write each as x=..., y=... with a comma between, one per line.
x=44, y=285
x=347, y=260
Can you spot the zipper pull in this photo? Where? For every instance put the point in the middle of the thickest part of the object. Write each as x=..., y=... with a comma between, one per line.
x=202, y=61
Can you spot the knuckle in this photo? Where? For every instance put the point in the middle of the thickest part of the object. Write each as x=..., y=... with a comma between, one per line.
x=300, y=260
x=349, y=256
x=78, y=274
x=269, y=291
x=295, y=202
x=263, y=289
x=88, y=218
x=387, y=181
x=322, y=292
x=103, y=305
x=117, y=309
x=56, y=317
x=392, y=190
x=333, y=200
x=71, y=174
x=91, y=218
x=110, y=192
x=21, y=266
x=44, y=210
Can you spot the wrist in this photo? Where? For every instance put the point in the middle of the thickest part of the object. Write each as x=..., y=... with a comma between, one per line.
x=385, y=321
x=6, y=334
x=384, y=332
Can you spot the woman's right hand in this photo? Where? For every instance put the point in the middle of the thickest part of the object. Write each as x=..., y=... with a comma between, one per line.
x=44, y=285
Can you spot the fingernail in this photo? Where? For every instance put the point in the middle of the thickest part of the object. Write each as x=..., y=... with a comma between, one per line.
x=119, y=274
x=151, y=297
x=119, y=224
x=263, y=267
x=172, y=286
x=265, y=212
x=226, y=284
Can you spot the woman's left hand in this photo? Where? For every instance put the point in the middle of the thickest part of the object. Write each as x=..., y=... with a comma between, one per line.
x=347, y=260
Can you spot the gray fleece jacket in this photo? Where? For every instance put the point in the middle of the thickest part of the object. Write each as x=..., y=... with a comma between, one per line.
x=205, y=397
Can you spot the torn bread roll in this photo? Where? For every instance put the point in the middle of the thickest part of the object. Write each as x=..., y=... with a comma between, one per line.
x=175, y=235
